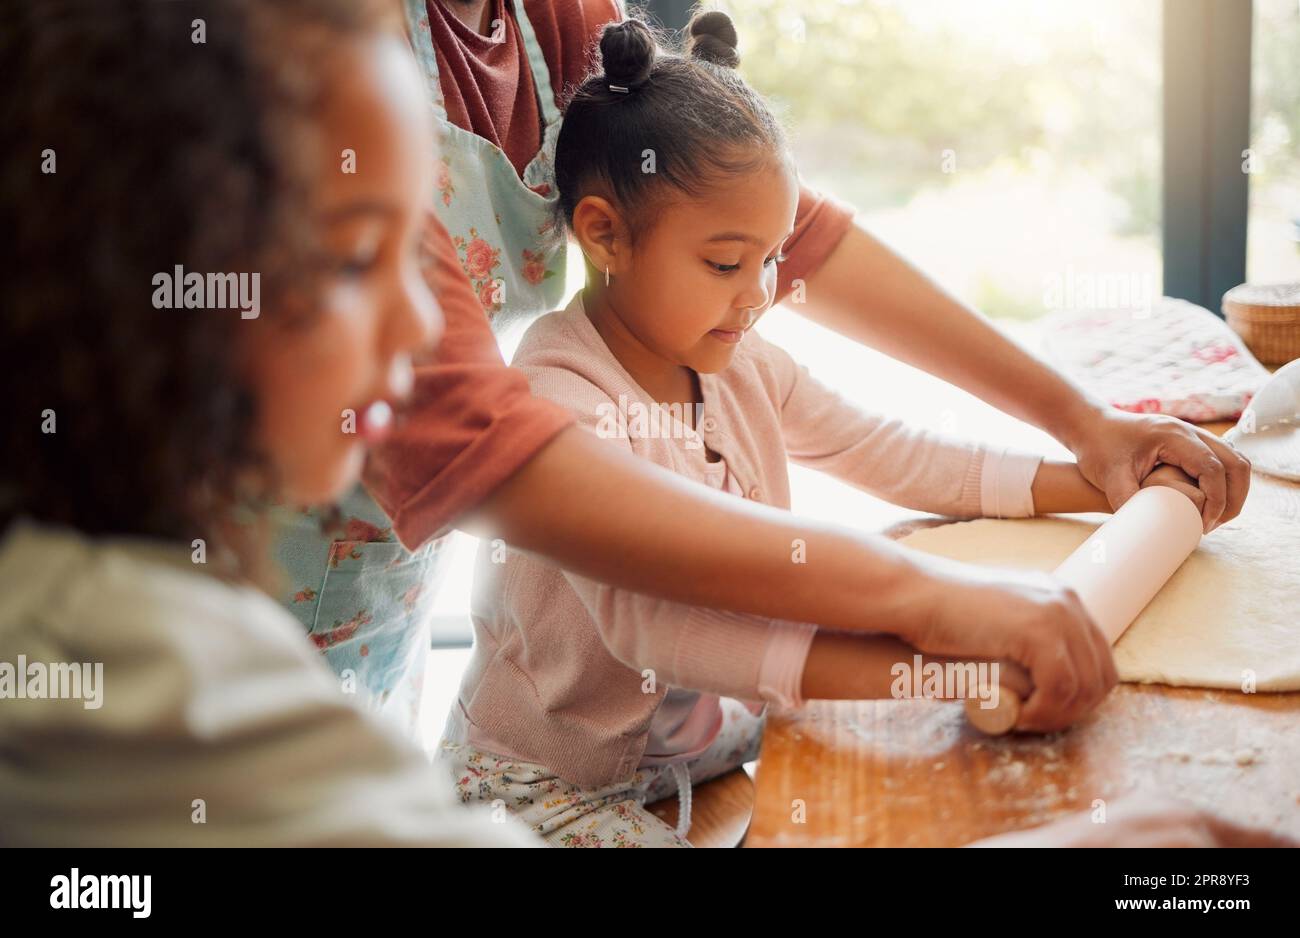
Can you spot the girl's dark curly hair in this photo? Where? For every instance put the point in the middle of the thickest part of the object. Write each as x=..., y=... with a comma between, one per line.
x=693, y=111
x=164, y=150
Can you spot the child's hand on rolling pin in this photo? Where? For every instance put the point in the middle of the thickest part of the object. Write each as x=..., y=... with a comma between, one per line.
x=1175, y=478
x=1029, y=619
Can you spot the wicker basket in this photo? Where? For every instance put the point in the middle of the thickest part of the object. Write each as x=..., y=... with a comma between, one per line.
x=1267, y=317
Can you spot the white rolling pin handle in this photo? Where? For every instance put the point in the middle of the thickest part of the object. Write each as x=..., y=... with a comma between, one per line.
x=1116, y=572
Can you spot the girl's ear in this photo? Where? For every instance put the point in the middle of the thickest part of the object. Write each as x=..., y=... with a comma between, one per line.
x=601, y=232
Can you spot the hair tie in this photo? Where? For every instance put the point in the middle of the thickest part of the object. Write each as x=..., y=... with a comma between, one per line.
x=621, y=89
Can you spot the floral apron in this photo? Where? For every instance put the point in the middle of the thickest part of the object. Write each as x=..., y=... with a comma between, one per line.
x=366, y=602
x=506, y=230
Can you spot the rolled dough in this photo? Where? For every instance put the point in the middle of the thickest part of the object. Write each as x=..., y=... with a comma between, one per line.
x=1232, y=608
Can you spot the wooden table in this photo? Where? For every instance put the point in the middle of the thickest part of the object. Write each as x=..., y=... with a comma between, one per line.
x=911, y=773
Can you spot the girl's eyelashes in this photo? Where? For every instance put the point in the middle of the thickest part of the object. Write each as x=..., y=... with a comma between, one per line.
x=728, y=268
x=361, y=257
x=359, y=254
x=356, y=265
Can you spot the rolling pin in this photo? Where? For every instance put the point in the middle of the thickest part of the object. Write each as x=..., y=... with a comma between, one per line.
x=1116, y=572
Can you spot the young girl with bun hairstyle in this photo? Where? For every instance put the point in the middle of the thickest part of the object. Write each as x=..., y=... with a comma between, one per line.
x=583, y=702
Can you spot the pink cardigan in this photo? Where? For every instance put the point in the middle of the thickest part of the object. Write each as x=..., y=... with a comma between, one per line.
x=557, y=675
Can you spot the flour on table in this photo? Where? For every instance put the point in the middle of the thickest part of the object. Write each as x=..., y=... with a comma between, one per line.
x=1233, y=607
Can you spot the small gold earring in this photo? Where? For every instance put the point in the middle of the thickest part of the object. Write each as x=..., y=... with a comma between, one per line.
x=606, y=275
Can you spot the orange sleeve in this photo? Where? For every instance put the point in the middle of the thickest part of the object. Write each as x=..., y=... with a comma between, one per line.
x=819, y=224
x=567, y=32
x=471, y=423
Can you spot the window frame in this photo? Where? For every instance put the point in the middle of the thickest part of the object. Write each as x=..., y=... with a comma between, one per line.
x=1205, y=198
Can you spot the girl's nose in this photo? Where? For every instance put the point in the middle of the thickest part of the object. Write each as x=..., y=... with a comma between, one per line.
x=418, y=323
x=758, y=293
x=415, y=324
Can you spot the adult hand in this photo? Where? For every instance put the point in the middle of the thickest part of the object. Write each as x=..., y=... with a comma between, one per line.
x=1029, y=619
x=1116, y=450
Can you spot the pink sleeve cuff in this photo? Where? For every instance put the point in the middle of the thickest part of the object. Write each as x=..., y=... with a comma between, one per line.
x=743, y=656
x=780, y=679
x=1006, y=483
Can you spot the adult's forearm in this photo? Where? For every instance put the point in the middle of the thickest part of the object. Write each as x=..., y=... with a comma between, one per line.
x=604, y=513
x=869, y=293
x=610, y=516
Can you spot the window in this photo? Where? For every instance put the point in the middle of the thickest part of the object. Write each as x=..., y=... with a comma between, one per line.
x=1273, y=235
x=1010, y=148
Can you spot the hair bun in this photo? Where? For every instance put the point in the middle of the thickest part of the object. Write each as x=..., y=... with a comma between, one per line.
x=627, y=52
x=712, y=37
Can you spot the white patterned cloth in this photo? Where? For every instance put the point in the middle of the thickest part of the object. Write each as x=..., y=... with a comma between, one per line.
x=1174, y=358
